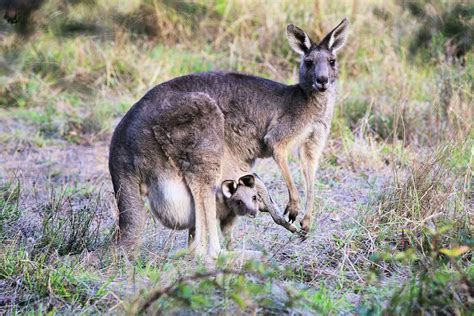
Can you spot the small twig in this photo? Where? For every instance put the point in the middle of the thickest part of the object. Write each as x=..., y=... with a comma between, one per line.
x=353, y=268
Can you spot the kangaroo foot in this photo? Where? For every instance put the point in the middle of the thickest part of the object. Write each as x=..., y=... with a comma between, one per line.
x=197, y=249
x=239, y=257
x=213, y=252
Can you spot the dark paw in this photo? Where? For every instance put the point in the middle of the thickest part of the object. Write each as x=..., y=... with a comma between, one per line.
x=292, y=217
x=292, y=213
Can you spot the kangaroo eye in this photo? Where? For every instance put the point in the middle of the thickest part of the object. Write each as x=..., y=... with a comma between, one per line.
x=254, y=198
x=308, y=63
x=332, y=62
x=240, y=203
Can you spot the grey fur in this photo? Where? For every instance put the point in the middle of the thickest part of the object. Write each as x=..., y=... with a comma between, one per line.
x=201, y=127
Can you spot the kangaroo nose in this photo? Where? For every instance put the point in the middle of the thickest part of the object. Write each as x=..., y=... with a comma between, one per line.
x=322, y=80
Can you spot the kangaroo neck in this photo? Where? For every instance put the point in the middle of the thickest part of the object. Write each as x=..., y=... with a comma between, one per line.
x=316, y=105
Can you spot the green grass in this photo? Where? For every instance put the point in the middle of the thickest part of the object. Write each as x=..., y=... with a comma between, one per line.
x=10, y=193
x=38, y=277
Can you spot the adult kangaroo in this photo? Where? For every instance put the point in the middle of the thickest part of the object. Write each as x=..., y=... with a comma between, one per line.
x=176, y=137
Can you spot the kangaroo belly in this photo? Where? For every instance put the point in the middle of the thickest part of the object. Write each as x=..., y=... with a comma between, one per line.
x=171, y=202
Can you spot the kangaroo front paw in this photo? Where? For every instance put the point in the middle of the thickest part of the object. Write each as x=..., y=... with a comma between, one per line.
x=292, y=210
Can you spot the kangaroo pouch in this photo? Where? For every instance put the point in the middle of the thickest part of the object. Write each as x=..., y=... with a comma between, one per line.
x=171, y=202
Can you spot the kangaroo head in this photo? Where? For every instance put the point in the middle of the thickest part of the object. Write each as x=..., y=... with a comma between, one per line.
x=318, y=68
x=241, y=196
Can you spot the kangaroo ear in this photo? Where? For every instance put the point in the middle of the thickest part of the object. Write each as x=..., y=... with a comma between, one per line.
x=335, y=39
x=228, y=188
x=247, y=180
x=298, y=39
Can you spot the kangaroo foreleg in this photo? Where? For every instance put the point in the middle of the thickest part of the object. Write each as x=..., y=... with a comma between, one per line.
x=266, y=204
x=280, y=155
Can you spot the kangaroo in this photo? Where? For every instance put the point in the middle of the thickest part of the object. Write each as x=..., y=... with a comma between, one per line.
x=245, y=197
x=184, y=134
x=238, y=198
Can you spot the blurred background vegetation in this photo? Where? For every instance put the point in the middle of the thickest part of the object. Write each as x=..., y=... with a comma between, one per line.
x=406, y=73
x=70, y=69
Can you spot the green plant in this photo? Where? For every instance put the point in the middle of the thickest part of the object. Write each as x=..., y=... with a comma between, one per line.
x=16, y=93
x=438, y=286
x=10, y=193
x=68, y=228
x=248, y=288
x=62, y=281
x=430, y=193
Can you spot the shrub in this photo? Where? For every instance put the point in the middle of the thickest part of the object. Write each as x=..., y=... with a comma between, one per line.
x=445, y=28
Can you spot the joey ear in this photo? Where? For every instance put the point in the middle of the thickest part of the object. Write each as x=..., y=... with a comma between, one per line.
x=228, y=188
x=335, y=39
x=247, y=180
x=298, y=39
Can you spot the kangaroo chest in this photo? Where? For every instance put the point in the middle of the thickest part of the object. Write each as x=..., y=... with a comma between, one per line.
x=319, y=123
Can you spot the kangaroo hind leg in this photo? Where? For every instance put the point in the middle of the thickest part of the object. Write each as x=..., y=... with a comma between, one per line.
x=191, y=134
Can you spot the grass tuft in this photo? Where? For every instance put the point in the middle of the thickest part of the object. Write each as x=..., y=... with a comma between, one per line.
x=10, y=193
x=69, y=224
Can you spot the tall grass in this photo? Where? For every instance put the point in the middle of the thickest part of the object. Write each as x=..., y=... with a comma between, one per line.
x=137, y=44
